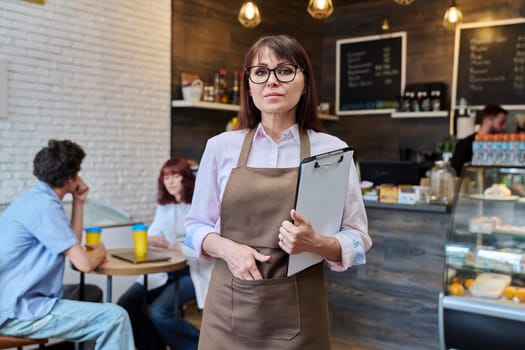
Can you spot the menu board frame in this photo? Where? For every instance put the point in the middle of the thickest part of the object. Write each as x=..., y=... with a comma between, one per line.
x=344, y=44
x=460, y=66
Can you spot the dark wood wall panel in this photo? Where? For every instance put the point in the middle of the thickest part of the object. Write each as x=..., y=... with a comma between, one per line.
x=430, y=50
x=206, y=36
x=193, y=128
x=391, y=302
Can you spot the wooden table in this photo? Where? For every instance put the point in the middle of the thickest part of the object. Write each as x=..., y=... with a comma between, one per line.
x=118, y=267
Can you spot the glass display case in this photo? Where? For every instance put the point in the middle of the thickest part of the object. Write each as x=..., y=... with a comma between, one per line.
x=482, y=305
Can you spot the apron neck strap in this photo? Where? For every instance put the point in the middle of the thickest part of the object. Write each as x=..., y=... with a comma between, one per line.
x=247, y=145
x=305, y=144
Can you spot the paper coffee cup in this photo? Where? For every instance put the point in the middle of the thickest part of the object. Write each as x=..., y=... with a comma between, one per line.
x=93, y=235
x=140, y=239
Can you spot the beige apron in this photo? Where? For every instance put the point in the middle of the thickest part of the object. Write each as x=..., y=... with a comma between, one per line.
x=277, y=312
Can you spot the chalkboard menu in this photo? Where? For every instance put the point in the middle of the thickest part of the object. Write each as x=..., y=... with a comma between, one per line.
x=370, y=73
x=489, y=64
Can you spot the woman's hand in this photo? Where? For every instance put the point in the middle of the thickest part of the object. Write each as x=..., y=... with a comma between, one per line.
x=297, y=237
x=158, y=242
x=240, y=258
x=300, y=237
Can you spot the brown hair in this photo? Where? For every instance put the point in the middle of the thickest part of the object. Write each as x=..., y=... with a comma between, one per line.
x=288, y=48
x=58, y=162
x=176, y=165
x=492, y=111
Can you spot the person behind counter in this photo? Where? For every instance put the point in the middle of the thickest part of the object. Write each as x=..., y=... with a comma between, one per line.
x=241, y=213
x=35, y=239
x=493, y=119
x=175, y=188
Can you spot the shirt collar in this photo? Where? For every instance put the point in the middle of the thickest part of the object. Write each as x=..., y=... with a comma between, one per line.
x=292, y=133
x=46, y=188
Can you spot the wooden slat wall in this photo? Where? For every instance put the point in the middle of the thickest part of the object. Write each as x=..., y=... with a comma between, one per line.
x=391, y=302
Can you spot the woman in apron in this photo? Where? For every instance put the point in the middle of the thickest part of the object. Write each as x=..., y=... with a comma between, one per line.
x=242, y=214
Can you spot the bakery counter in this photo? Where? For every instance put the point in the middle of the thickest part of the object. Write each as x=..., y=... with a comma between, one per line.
x=391, y=302
x=431, y=208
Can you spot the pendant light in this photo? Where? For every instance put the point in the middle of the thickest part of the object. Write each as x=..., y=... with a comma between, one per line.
x=320, y=9
x=249, y=15
x=384, y=24
x=404, y=2
x=453, y=16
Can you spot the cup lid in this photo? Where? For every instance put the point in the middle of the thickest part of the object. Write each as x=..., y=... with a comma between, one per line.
x=139, y=227
x=93, y=230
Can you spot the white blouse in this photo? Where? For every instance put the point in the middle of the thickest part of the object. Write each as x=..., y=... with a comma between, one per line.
x=221, y=156
x=169, y=223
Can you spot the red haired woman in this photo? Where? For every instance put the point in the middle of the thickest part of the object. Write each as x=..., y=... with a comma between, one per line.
x=175, y=190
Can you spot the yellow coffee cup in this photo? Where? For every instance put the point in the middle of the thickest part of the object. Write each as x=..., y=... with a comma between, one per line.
x=140, y=239
x=93, y=235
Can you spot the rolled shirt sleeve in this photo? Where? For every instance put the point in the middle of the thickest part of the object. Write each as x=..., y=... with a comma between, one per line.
x=203, y=217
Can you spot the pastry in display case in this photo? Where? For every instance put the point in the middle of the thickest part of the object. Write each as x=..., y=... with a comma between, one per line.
x=482, y=305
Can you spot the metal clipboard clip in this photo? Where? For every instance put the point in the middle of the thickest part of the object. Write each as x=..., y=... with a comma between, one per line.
x=320, y=158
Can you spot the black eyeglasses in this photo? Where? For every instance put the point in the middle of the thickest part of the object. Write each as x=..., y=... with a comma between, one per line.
x=284, y=72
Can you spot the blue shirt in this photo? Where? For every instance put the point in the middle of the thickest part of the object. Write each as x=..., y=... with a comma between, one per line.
x=34, y=233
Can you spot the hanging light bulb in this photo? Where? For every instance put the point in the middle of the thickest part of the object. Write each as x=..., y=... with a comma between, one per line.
x=453, y=16
x=404, y=2
x=320, y=9
x=384, y=24
x=249, y=15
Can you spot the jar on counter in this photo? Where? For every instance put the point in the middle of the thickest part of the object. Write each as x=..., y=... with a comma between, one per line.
x=442, y=182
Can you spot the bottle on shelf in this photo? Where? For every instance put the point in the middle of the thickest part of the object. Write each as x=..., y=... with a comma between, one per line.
x=442, y=181
x=464, y=123
x=223, y=86
x=492, y=149
x=415, y=101
x=435, y=100
x=425, y=102
x=521, y=150
x=235, y=89
x=405, y=102
x=216, y=88
x=514, y=141
x=478, y=150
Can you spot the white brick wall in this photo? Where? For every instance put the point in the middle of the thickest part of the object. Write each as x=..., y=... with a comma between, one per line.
x=96, y=72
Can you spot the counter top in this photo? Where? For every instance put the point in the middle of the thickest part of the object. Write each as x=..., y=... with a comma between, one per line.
x=435, y=208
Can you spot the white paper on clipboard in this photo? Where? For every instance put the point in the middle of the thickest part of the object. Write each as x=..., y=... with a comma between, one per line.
x=320, y=197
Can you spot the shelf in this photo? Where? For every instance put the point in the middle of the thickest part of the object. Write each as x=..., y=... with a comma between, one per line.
x=205, y=105
x=227, y=107
x=435, y=208
x=437, y=114
x=479, y=269
x=490, y=307
x=495, y=232
x=328, y=117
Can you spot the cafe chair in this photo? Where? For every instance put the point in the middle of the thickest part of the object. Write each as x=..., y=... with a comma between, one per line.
x=7, y=341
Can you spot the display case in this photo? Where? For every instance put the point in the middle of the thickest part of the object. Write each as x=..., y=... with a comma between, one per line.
x=482, y=305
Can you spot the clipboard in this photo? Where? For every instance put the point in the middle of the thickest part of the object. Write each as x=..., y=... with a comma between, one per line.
x=320, y=197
